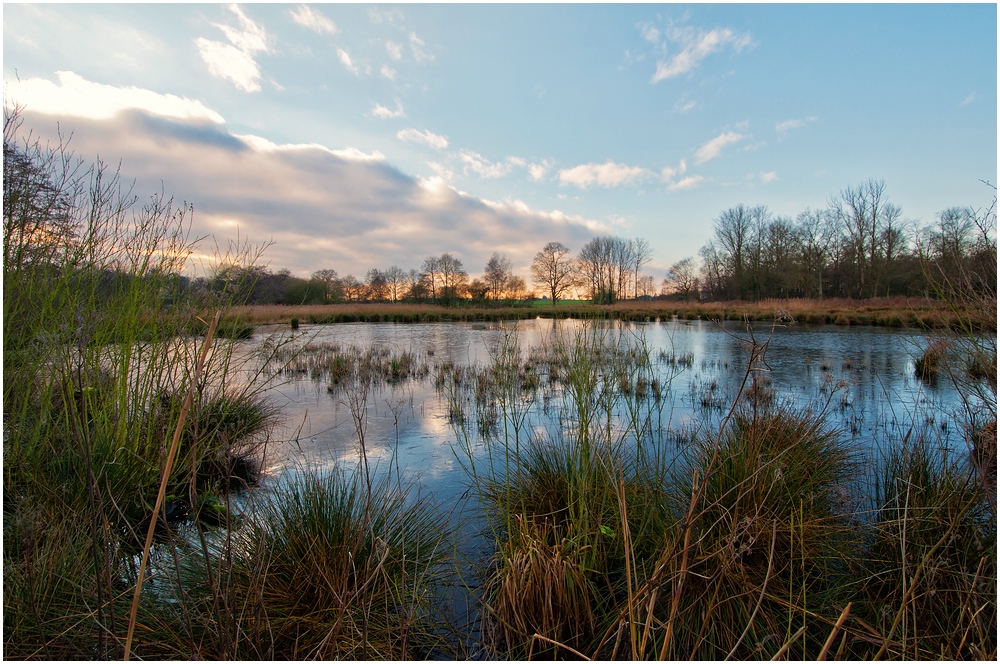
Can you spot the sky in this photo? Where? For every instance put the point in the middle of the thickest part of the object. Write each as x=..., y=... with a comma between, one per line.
x=354, y=136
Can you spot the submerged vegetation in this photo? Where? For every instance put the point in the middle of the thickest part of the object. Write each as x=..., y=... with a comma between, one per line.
x=133, y=444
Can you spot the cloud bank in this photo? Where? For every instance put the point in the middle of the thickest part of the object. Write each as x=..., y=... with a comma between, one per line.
x=323, y=207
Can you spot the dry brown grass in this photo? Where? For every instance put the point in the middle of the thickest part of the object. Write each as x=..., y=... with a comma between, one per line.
x=884, y=312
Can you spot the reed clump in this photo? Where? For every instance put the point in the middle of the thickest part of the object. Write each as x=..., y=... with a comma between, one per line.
x=762, y=537
x=929, y=579
x=330, y=570
x=929, y=364
x=564, y=515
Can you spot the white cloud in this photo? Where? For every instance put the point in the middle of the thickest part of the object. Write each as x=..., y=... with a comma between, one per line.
x=538, y=171
x=345, y=59
x=78, y=97
x=309, y=18
x=483, y=167
x=348, y=154
x=425, y=137
x=395, y=50
x=417, y=46
x=248, y=37
x=669, y=173
x=794, y=123
x=650, y=33
x=714, y=147
x=689, y=182
x=234, y=61
x=969, y=99
x=608, y=174
x=768, y=177
x=388, y=72
x=443, y=171
x=695, y=47
x=228, y=62
x=384, y=113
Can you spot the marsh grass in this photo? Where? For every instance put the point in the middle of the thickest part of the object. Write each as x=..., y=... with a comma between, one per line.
x=768, y=532
x=929, y=580
x=328, y=568
x=929, y=364
x=756, y=542
x=94, y=351
x=912, y=312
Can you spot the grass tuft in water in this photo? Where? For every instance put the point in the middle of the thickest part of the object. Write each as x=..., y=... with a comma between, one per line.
x=328, y=570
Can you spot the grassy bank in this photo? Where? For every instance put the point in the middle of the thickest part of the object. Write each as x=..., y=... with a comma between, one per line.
x=884, y=312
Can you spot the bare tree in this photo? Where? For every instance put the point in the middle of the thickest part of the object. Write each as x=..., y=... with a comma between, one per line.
x=396, y=280
x=413, y=283
x=733, y=230
x=645, y=286
x=554, y=270
x=453, y=277
x=871, y=222
x=682, y=279
x=712, y=269
x=478, y=289
x=498, y=271
x=353, y=288
x=606, y=266
x=430, y=272
x=378, y=285
x=515, y=288
x=817, y=234
x=641, y=254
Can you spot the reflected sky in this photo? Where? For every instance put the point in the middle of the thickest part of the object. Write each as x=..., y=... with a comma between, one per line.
x=863, y=378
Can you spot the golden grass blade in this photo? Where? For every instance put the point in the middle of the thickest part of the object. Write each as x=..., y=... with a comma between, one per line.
x=788, y=644
x=168, y=467
x=834, y=632
x=562, y=645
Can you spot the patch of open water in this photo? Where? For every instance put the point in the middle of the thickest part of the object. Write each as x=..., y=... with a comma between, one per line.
x=863, y=377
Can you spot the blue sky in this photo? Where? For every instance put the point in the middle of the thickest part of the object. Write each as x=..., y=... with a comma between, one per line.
x=358, y=136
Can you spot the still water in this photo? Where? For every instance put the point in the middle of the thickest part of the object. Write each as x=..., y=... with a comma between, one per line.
x=862, y=377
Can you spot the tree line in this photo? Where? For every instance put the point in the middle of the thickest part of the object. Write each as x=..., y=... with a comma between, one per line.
x=607, y=269
x=859, y=246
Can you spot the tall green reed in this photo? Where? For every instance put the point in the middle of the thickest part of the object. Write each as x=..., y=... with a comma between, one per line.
x=94, y=355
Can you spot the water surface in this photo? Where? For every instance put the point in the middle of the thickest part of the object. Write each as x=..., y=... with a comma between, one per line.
x=862, y=377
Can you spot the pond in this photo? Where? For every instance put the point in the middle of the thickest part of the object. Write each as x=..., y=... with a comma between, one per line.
x=862, y=377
